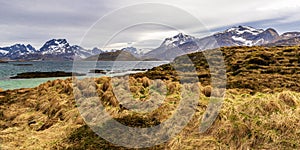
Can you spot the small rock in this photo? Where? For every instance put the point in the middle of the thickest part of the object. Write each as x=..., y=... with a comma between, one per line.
x=207, y=91
x=79, y=120
x=139, y=70
x=97, y=71
x=31, y=122
x=21, y=91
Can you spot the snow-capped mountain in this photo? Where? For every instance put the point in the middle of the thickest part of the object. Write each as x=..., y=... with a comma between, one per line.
x=245, y=36
x=55, y=49
x=240, y=30
x=177, y=40
x=174, y=46
x=235, y=36
x=286, y=39
x=136, y=52
x=16, y=51
x=289, y=35
x=56, y=46
x=60, y=47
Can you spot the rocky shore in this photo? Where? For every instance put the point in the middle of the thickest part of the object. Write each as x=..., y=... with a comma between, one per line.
x=3, y=61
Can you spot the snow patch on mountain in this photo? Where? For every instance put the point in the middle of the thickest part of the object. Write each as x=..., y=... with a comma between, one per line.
x=245, y=29
x=290, y=35
x=3, y=52
x=177, y=40
x=244, y=42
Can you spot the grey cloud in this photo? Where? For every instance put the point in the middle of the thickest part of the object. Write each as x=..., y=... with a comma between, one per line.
x=35, y=21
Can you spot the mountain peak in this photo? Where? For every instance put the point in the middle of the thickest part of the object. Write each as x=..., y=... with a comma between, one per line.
x=290, y=34
x=20, y=47
x=180, y=35
x=57, y=41
x=177, y=40
x=55, y=45
x=244, y=29
x=16, y=50
x=271, y=29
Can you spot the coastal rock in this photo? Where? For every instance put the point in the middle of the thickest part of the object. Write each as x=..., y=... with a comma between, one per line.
x=139, y=69
x=118, y=55
x=28, y=75
x=97, y=71
x=1, y=61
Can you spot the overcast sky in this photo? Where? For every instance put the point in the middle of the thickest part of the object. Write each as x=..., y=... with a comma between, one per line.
x=120, y=23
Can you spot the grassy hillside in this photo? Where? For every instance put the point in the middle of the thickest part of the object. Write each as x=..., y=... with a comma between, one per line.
x=113, y=56
x=248, y=69
x=261, y=109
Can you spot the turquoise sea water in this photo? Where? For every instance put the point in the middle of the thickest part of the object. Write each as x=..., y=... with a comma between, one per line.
x=114, y=68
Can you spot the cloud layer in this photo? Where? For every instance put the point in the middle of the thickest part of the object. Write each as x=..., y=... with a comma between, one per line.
x=34, y=21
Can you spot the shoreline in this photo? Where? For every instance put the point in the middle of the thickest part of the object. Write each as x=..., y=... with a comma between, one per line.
x=34, y=82
x=81, y=68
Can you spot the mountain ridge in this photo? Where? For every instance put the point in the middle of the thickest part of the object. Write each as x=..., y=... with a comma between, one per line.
x=54, y=49
x=171, y=47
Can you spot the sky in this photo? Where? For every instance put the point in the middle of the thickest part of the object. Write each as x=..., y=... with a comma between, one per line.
x=113, y=24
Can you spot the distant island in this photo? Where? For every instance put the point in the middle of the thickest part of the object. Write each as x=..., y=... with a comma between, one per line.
x=119, y=55
x=29, y=75
x=113, y=56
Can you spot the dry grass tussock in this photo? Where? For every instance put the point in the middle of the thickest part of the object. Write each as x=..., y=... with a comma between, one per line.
x=37, y=118
x=46, y=117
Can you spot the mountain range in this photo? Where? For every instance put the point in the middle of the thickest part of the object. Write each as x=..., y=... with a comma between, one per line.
x=235, y=36
x=55, y=49
x=60, y=49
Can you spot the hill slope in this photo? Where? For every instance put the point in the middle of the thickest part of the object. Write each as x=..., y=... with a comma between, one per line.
x=46, y=117
x=253, y=69
x=113, y=56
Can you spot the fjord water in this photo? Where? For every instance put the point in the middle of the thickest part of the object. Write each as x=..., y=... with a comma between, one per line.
x=114, y=68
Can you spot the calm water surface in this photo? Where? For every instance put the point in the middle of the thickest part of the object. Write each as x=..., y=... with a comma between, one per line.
x=114, y=68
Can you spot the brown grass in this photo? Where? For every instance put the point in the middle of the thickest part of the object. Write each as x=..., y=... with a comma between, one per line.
x=288, y=99
x=245, y=122
x=248, y=69
x=261, y=109
x=146, y=82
